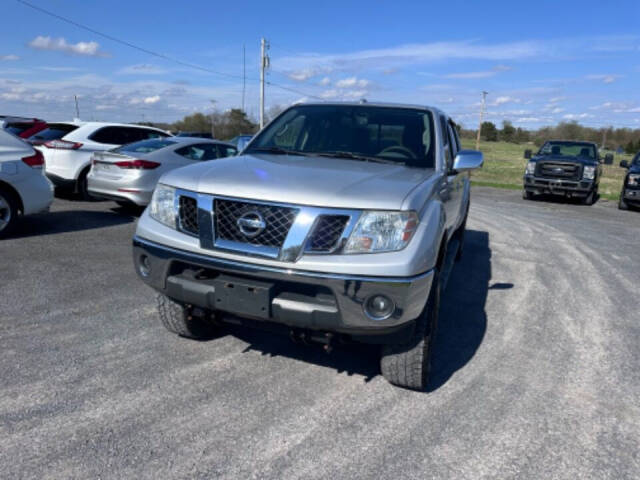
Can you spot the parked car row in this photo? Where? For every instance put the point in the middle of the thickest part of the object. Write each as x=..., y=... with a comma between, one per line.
x=573, y=169
x=113, y=161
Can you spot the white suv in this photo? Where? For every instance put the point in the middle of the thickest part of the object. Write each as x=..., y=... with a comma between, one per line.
x=23, y=187
x=68, y=158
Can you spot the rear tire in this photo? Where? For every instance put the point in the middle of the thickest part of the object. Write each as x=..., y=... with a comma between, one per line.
x=408, y=365
x=8, y=213
x=82, y=187
x=179, y=319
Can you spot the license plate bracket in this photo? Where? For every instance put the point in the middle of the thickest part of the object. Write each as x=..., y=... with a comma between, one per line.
x=243, y=297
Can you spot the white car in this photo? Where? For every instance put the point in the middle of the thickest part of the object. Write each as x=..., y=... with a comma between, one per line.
x=68, y=158
x=23, y=187
x=129, y=174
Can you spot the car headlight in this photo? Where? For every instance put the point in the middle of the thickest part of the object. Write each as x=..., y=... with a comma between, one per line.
x=382, y=232
x=531, y=168
x=162, y=207
x=634, y=180
x=589, y=173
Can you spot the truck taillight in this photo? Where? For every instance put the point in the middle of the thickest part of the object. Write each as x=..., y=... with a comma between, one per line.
x=138, y=164
x=62, y=145
x=34, y=161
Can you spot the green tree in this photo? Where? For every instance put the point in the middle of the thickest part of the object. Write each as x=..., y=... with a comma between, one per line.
x=508, y=132
x=630, y=148
x=489, y=132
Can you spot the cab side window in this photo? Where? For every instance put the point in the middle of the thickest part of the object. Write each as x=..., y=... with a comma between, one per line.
x=226, y=151
x=453, y=141
x=446, y=142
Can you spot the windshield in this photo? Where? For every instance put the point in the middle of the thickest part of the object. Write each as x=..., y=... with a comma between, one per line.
x=569, y=149
x=144, y=146
x=397, y=135
x=636, y=160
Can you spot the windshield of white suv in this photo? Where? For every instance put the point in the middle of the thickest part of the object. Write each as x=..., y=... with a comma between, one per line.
x=378, y=134
x=569, y=149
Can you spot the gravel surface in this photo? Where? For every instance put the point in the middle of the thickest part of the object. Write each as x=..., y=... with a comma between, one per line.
x=536, y=368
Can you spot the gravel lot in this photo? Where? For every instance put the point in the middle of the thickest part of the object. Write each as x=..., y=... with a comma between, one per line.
x=536, y=369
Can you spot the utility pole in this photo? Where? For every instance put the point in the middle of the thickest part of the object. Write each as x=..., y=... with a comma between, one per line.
x=604, y=137
x=244, y=74
x=484, y=97
x=264, y=64
x=77, y=108
x=213, y=115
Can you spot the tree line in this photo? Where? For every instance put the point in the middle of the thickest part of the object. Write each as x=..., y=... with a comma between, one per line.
x=610, y=138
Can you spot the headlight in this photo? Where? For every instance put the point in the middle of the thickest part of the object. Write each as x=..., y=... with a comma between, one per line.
x=588, y=173
x=634, y=180
x=382, y=232
x=162, y=207
x=531, y=168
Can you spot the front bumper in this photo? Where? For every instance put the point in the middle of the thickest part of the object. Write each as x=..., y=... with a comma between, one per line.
x=574, y=188
x=300, y=299
x=632, y=194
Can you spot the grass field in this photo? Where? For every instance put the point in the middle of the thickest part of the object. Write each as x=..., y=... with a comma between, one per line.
x=504, y=165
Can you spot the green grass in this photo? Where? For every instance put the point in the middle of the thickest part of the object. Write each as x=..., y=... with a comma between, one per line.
x=504, y=165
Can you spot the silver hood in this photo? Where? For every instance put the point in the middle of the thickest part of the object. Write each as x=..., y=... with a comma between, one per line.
x=315, y=181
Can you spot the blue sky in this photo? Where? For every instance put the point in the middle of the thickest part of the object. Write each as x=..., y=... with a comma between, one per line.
x=542, y=62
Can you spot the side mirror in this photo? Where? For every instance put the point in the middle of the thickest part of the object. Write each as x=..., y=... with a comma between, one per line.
x=527, y=154
x=624, y=164
x=608, y=159
x=467, y=160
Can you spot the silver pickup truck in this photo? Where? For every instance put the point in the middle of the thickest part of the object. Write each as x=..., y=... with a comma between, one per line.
x=337, y=222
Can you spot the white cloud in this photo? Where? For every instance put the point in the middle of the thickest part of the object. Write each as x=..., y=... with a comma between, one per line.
x=502, y=100
x=142, y=69
x=352, y=82
x=325, y=81
x=557, y=110
x=577, y=116
x=485, y=74
x=9, y=58
x=89, y=49
x=152, y=100
x=604, y=78
x=303, y=75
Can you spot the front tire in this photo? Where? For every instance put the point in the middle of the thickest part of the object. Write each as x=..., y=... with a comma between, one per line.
x=408, y=365
x=622, y=205
x=178, y=319
x=8, y=213
x=526, y=195
x=591, y=198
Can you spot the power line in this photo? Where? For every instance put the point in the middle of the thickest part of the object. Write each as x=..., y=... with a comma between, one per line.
x=154, y=53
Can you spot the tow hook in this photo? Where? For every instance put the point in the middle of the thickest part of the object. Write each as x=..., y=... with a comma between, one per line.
x=325, y=339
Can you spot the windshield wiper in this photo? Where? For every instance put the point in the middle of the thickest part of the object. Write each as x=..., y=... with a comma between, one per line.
x=355, y=156
x=277, y=150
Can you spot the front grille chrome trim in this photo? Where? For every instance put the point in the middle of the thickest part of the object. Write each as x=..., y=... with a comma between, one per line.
x=296, y=243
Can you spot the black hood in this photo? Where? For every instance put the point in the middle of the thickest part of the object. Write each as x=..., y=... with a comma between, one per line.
x=635, y=168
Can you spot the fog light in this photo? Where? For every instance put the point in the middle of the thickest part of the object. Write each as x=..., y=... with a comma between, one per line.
x=379, y=307
x=144, y=266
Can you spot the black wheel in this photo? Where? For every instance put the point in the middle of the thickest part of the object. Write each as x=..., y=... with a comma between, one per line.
x=8, y=212
x=622, y=205
x=179, y=319
x=527, y=195
x=408, y=365
x=591, y=198
x=83, y=188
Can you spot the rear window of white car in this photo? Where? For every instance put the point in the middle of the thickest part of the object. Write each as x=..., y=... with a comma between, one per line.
x=145, y=146
x=55, y=131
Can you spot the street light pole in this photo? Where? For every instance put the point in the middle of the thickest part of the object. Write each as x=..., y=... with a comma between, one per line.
x=264, y=64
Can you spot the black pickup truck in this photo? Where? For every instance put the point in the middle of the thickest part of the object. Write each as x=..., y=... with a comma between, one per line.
x=630, y=195
x=566, y=168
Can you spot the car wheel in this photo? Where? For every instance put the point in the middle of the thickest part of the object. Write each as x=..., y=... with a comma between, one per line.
x=83, y=187
x=622, y=205
x=408, y=365
x=527, y=195
x=179, y=319
x=8, y=213
x=591, y=198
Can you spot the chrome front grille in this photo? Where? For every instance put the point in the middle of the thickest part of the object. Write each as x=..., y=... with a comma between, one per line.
x=561, y=170
x=327, y=233
x=188, y=215
x=277, y=222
